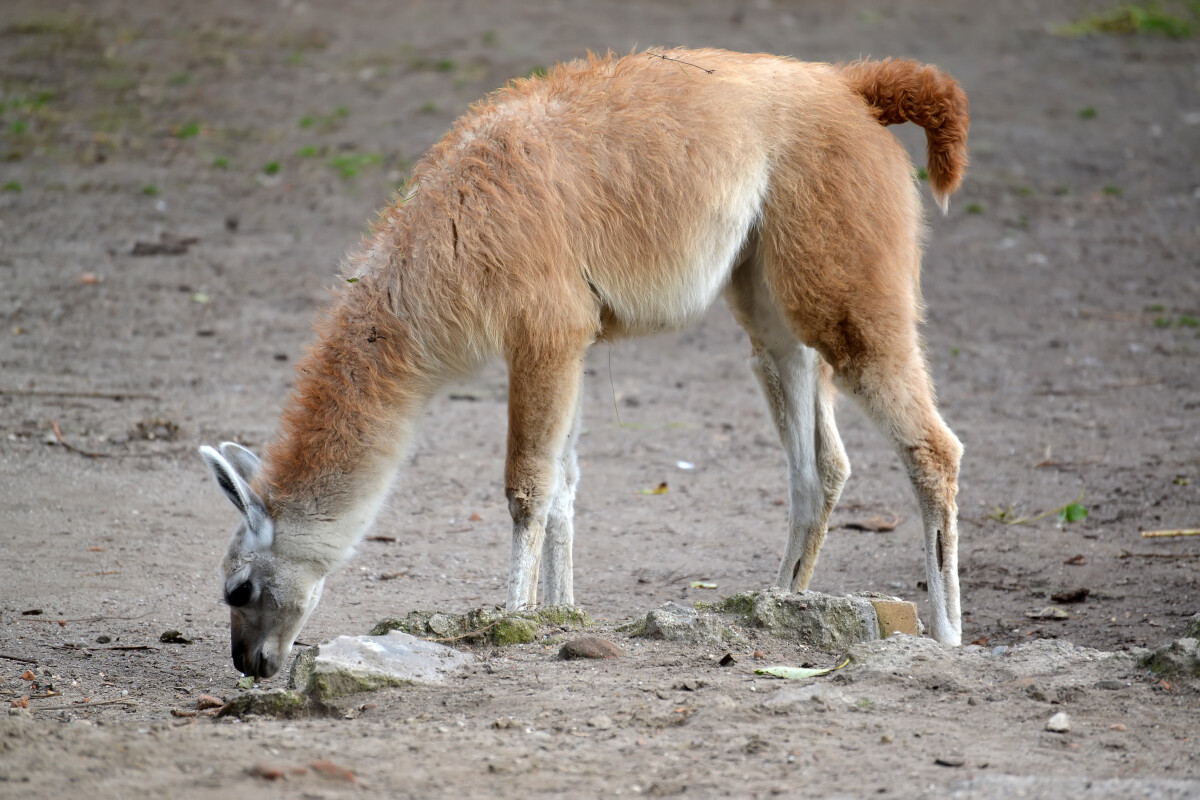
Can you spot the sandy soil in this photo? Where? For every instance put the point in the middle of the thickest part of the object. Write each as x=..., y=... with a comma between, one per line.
x=1063, y=293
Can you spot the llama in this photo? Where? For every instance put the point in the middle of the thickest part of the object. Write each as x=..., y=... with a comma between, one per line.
x=614, y=197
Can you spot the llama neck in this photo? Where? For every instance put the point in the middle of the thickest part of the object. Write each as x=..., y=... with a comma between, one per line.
x=344, y=429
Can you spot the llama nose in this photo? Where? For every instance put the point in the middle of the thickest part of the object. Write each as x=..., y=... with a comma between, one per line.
x=239, y=658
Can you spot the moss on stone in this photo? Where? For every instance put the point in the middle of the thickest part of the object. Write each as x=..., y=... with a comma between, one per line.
x=280, y=703
x=513, y=630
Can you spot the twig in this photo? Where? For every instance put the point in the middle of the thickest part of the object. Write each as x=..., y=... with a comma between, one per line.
x=18, y=658
x=1127, y=554
x=1175, y=532
x=118, y=396
x=680, y=61
x=58, y=434
x=73, y=706
x=94, y=619
x=1043, y=515
x=125, y=647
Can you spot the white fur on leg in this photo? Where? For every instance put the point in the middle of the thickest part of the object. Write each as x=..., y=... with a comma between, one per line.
x=523, y=566
x=945, y=615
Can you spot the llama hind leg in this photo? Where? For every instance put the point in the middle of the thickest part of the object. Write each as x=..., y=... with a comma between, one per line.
x=799, y=398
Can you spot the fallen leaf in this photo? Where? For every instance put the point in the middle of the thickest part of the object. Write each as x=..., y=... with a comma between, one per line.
x=28, y=675
x=660, y=489
x=798, y=673
x=22, y=702
x=173, y=637
x=245, y=682
x=475, y=517
x=385, y=539
x=701, y=585
x=88, y=278
x=1076, y=560
x=873, y=524
x=208, y=701
x=1049, y=612
x=266, y=771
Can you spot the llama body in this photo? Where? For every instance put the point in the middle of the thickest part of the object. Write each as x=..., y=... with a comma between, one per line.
x=613, y=198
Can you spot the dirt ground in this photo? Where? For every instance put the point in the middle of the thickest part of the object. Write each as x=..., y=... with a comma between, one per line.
x=252, y=142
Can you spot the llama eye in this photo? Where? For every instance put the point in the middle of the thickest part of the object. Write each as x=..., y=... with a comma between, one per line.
x=241, y=595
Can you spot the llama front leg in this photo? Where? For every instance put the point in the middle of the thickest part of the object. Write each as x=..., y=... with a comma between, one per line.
x=542, y=399
x=557, y=578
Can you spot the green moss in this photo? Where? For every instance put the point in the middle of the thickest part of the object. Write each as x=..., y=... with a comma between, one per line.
x=282, y=703
x=513, y=630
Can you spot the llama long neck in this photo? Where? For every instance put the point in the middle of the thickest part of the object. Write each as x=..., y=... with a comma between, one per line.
x=346, y=425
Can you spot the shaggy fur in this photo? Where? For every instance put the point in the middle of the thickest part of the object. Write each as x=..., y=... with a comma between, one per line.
x=622, y=196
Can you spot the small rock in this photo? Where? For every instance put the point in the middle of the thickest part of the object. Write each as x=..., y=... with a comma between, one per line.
x=950, y=760
x=103, y=639
x=1077, y=595
x=589, y=647
x=1117, y=726
x=1059, y=723
x=28, y=675
x=760, y=655
x=332, y=770
x=727, y=660
x=266, y=771
x=886, y=739
x=600, y=723
x=1110, y=685
x=20, y=702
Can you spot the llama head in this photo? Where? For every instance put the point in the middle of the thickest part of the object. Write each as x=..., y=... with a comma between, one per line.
x=270, y=592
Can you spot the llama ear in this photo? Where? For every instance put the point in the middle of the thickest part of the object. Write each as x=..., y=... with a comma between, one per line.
x=242, y=460
x=236, y=488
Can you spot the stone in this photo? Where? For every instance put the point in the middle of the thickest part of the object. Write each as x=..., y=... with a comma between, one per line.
x=600, y=723
x=1178, y=659
x=950, y=760
x=351, y=664
x=589, y=647
x=895, y=616
x=284, y=703
x=492, y=625
x=1059, y=723
x=676, y=623
x=818, y=620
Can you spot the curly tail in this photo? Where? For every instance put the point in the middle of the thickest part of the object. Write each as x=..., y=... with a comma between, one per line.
x=905, y=91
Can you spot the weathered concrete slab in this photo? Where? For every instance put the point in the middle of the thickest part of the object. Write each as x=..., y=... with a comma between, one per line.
x=1180, y=659
x=818, y=620
x=352, y=664
x=494, y=625
x=676, y=623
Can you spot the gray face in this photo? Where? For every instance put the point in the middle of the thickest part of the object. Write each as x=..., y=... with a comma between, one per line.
x=270, y=597
x=269, y=602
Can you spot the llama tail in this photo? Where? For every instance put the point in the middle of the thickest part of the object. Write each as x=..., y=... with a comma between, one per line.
x=906, y=91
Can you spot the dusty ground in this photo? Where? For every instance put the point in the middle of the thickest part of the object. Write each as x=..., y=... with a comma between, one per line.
x=1063, y=293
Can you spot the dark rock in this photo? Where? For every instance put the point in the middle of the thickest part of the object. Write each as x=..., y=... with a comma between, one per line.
x=589, y=647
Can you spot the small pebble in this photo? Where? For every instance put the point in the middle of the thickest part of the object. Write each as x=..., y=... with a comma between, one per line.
x=600, y=723
x=950, y=760
x=1118, y=726
x=1059, y=723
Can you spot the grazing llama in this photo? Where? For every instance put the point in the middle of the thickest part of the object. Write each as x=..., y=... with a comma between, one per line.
x=611, y=198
